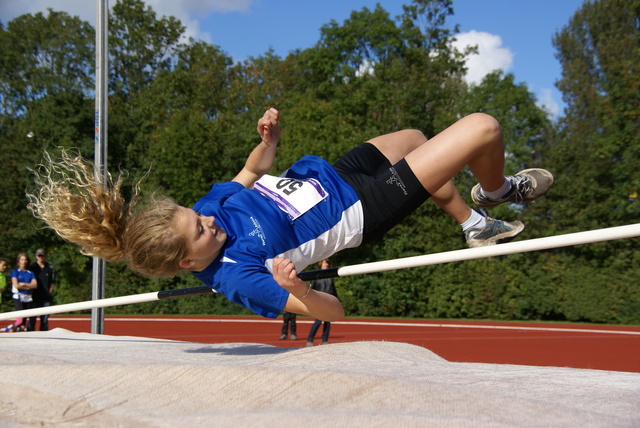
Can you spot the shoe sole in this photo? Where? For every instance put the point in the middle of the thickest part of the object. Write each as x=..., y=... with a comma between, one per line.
x=500, y=238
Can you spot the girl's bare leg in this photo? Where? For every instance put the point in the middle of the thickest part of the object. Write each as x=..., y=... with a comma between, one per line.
x=449, y=200
x=397, y=145
x=474, y=141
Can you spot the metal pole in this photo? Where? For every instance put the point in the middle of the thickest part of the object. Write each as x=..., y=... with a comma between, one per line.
x=100, y=155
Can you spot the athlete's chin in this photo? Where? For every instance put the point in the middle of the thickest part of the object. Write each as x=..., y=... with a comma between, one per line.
x=221, y=238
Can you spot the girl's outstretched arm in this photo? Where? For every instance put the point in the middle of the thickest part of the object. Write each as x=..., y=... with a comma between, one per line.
x=304, y=300
x=261, y=158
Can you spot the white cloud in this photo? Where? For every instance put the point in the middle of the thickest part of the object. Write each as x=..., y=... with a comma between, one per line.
x=198, y=7
x=189, y=12
x=365, y=68
x=546, y=101
x=491, y=54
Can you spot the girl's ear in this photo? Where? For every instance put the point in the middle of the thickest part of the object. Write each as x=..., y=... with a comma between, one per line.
x=186, y=263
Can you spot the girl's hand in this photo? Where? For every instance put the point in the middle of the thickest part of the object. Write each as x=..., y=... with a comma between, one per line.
x=285, y=274
x=268, y=128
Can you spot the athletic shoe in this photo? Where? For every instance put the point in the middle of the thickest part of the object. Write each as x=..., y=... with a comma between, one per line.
x=494, y=232
x=283, y=337
x=294, y=337
x=527, y=185
x=309, y=344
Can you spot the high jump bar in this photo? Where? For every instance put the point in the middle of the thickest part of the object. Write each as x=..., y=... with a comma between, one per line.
x=557, y=241
x=104, y=303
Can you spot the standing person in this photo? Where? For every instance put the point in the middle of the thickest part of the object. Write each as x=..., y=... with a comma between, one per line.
x=248, y=238
x=3, y=286
x=324, y=285
x=46, y=278
x=288, y=322
x=23, y=283
x=3, y=279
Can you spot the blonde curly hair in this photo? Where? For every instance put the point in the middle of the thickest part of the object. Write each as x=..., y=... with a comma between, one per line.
x=94, y=215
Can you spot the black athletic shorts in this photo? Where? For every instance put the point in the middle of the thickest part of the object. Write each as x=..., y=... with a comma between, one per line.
x=388, y=193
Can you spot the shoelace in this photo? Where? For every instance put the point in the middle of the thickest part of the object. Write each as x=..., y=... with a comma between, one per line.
x=522, y=186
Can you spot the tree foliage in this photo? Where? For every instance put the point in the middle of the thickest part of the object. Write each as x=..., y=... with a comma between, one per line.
x=599, y=137
x=182, y=113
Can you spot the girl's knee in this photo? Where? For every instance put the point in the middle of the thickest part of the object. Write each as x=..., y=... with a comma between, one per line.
x=411, y=138
x=486, y=125
x=414, y=135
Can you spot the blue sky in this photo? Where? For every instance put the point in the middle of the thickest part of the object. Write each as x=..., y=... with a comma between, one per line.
x=513, y=35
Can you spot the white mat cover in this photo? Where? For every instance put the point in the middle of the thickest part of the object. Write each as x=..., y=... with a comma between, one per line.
x=66, y=379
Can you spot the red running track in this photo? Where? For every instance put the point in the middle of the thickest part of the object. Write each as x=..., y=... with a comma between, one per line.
x=561, y=345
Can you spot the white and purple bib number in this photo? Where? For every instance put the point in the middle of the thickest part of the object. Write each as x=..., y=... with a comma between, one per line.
x=293, y=196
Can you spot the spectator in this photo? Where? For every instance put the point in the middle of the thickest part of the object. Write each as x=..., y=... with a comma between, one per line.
x=23, y=283
x=45, y=276
x=3, y=286
x=3, y=279
x=324, y=285
x=17, y=324
x=289, y=322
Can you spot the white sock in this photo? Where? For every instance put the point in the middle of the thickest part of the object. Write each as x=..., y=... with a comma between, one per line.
x=499, y=193
x=474, y=220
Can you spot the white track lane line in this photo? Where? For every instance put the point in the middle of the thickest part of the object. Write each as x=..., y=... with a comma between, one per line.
x=370, y=323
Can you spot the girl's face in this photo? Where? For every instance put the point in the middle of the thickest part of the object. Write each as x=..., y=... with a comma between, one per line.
x=22, y=262
x=204, y=238
x=3, y=266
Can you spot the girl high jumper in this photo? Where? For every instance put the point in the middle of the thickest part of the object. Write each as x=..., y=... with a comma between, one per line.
x=249, y=238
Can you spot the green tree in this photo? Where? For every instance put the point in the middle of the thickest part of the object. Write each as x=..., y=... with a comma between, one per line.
x=599, y=142
x=140, y=45
x=382, y=75
x=43, y=55
x=595, y=154
x=178, y=115
x=45, y=76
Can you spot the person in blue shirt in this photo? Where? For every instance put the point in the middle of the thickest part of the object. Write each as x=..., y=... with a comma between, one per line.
x=23, y=282
x=249, y=238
